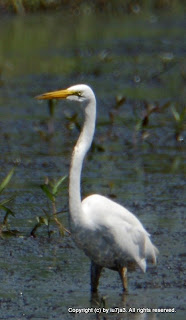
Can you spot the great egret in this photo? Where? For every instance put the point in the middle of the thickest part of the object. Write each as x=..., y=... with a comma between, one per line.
x=110, y=235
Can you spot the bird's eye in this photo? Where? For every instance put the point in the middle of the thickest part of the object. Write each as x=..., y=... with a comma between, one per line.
x=79, y=94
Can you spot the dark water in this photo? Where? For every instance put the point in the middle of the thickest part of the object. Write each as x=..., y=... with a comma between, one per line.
x=137, y=57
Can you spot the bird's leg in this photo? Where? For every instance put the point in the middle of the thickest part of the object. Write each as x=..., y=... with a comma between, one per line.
x=95, y=275
x=123, y=276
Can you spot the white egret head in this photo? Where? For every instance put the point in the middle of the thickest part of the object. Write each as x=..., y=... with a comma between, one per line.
x=80, y=93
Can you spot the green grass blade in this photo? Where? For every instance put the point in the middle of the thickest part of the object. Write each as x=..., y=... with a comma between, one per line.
x=46, y=190
x=6, y=180
x=57, y=185
x=3, y=202
x=176, y=114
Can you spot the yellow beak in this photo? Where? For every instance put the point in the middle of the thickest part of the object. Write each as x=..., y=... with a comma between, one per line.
x=59, y=94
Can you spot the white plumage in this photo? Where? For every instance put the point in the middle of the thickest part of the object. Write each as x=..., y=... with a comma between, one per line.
x=110, y=235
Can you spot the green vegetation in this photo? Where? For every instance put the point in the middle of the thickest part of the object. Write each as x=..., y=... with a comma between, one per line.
x=4, y=226
x=143, y=126
x=129, y=6
x=135, y=64
x=179, y=126
x=51, y=190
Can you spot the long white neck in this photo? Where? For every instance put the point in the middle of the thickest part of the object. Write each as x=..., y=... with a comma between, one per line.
x=81, y=148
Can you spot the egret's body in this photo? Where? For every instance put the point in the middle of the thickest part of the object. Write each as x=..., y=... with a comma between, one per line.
x=110, y=235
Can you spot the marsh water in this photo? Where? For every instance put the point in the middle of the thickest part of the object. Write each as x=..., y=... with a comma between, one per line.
x=135, y=64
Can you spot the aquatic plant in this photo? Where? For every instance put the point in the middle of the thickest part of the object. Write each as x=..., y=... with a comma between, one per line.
x=4, y=226
x=51, y=190
x=119, y=101
x=142, y=122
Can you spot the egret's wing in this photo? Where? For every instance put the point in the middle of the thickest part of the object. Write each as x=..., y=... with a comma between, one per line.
x=113, y=231
x=129, y=241
x=98, y=208
x=119, y=228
